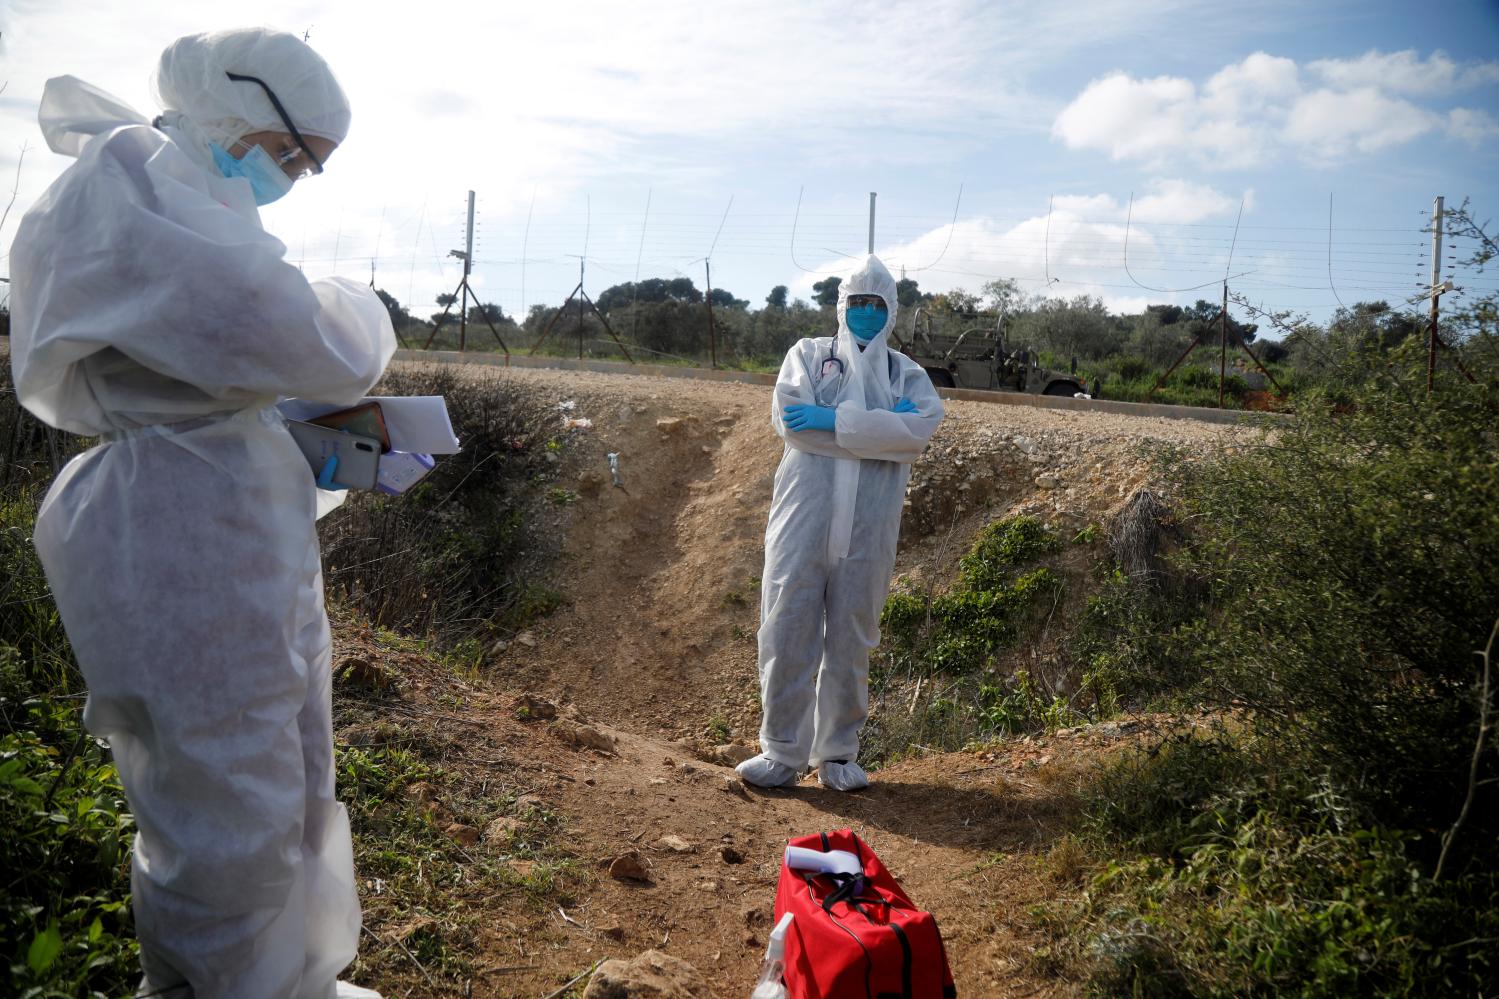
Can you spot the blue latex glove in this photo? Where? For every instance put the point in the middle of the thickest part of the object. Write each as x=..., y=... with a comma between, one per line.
x=325, y=477
x=903, y=406
x=802, y=417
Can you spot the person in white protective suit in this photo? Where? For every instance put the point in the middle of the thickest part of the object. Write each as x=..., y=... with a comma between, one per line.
x=150, y=309
x=854, y=415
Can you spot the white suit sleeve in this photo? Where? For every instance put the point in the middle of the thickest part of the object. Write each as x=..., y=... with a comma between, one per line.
x=794, y=387
x=888, y=436
x=875, y=434
x=202, y=295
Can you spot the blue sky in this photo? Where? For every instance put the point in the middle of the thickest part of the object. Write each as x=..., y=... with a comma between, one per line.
x=1049, y=115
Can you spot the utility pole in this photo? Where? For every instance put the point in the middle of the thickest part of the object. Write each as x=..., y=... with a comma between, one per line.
x=712, y=333
x=871, y=221
x=1223, y=345
x=1436, y=292
x=583, y=300
x=468, y=263
x=462, y=293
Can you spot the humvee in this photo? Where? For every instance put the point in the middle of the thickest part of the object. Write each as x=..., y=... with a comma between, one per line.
x=976, y=358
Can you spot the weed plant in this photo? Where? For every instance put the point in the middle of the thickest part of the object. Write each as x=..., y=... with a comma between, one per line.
x=65, y=926
x=937, y=684
x=442, y=896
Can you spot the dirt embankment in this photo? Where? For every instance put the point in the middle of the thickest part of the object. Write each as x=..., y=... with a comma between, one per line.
x=657, y=644
x=663, y=571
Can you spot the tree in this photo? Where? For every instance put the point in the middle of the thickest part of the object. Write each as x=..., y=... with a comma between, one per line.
x=399, y=316
x=487, y=312
x=649, y=291
x=725, y=299
x=1476, y=317
x=1376, y=326
x=446, y=299
x=1167, y=315
x=1001, y=295
x=1081, y=327
x=955, y=302
x=825, y=292
x=908, y=293
x=777, y=297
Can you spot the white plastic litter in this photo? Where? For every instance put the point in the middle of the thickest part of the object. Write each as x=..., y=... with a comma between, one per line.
x=770, y=985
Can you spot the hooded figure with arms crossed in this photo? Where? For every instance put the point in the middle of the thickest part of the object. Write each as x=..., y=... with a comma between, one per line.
x=854, y=415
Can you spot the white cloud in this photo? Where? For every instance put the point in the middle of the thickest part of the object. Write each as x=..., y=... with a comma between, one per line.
x=1254, y=109
x=1260, y=81
x=1406, y=73
x=1328, y=123
x=1183, y=202
x=1471, y=125
x=1078, y=250
x=1130, y=118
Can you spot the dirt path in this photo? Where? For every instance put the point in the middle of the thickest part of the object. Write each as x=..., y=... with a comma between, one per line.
x=970, y=835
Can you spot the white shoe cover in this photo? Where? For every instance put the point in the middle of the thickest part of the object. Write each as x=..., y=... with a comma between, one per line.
x=762, y=771
x=842, y=776
x=347, y=991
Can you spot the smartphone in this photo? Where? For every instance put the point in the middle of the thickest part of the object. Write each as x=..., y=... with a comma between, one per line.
x=365, y=419
x=358, y=457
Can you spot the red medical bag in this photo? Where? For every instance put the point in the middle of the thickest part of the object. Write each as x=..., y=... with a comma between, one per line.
x=858, y=937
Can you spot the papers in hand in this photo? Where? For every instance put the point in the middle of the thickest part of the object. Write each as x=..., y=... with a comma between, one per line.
x=418, y=427
x=416, y=423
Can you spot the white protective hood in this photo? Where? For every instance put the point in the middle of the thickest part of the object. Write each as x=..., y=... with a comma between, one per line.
x=866, y=427
x=200, y=103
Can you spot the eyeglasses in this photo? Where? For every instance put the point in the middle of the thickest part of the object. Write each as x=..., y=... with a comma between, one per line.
x=290, y=154
x=857, y=300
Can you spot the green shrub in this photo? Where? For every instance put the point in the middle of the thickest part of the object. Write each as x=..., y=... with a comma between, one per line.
x=453, y=558
x=1000, y=547
x=1241, y=879
x=961, y=630
x=1354, y=564
x=1349, y=560
x=939, y=662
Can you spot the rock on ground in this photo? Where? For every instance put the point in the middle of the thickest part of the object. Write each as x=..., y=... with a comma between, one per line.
x=652, y=975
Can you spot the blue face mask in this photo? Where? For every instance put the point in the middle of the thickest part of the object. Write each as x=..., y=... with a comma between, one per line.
x=267, y=180
x=865, y=321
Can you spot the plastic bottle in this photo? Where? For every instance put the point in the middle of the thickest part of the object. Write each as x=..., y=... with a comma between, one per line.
x=769, y=985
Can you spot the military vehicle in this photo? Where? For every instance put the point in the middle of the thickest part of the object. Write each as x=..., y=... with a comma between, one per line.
x=976, y=358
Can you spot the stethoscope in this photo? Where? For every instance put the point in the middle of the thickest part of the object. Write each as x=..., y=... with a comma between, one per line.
x=833, y=359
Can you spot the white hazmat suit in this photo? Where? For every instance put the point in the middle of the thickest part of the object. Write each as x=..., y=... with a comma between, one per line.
x=830, y=542
x=150, y=309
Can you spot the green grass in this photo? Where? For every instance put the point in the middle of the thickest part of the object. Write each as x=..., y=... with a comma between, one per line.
x=441, y=893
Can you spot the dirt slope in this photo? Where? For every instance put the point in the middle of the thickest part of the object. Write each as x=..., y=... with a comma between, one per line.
x=663, y=572
x=657, y=644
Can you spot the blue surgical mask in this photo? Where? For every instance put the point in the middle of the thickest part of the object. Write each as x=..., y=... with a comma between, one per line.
x=865, y=321
x=267, y=180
